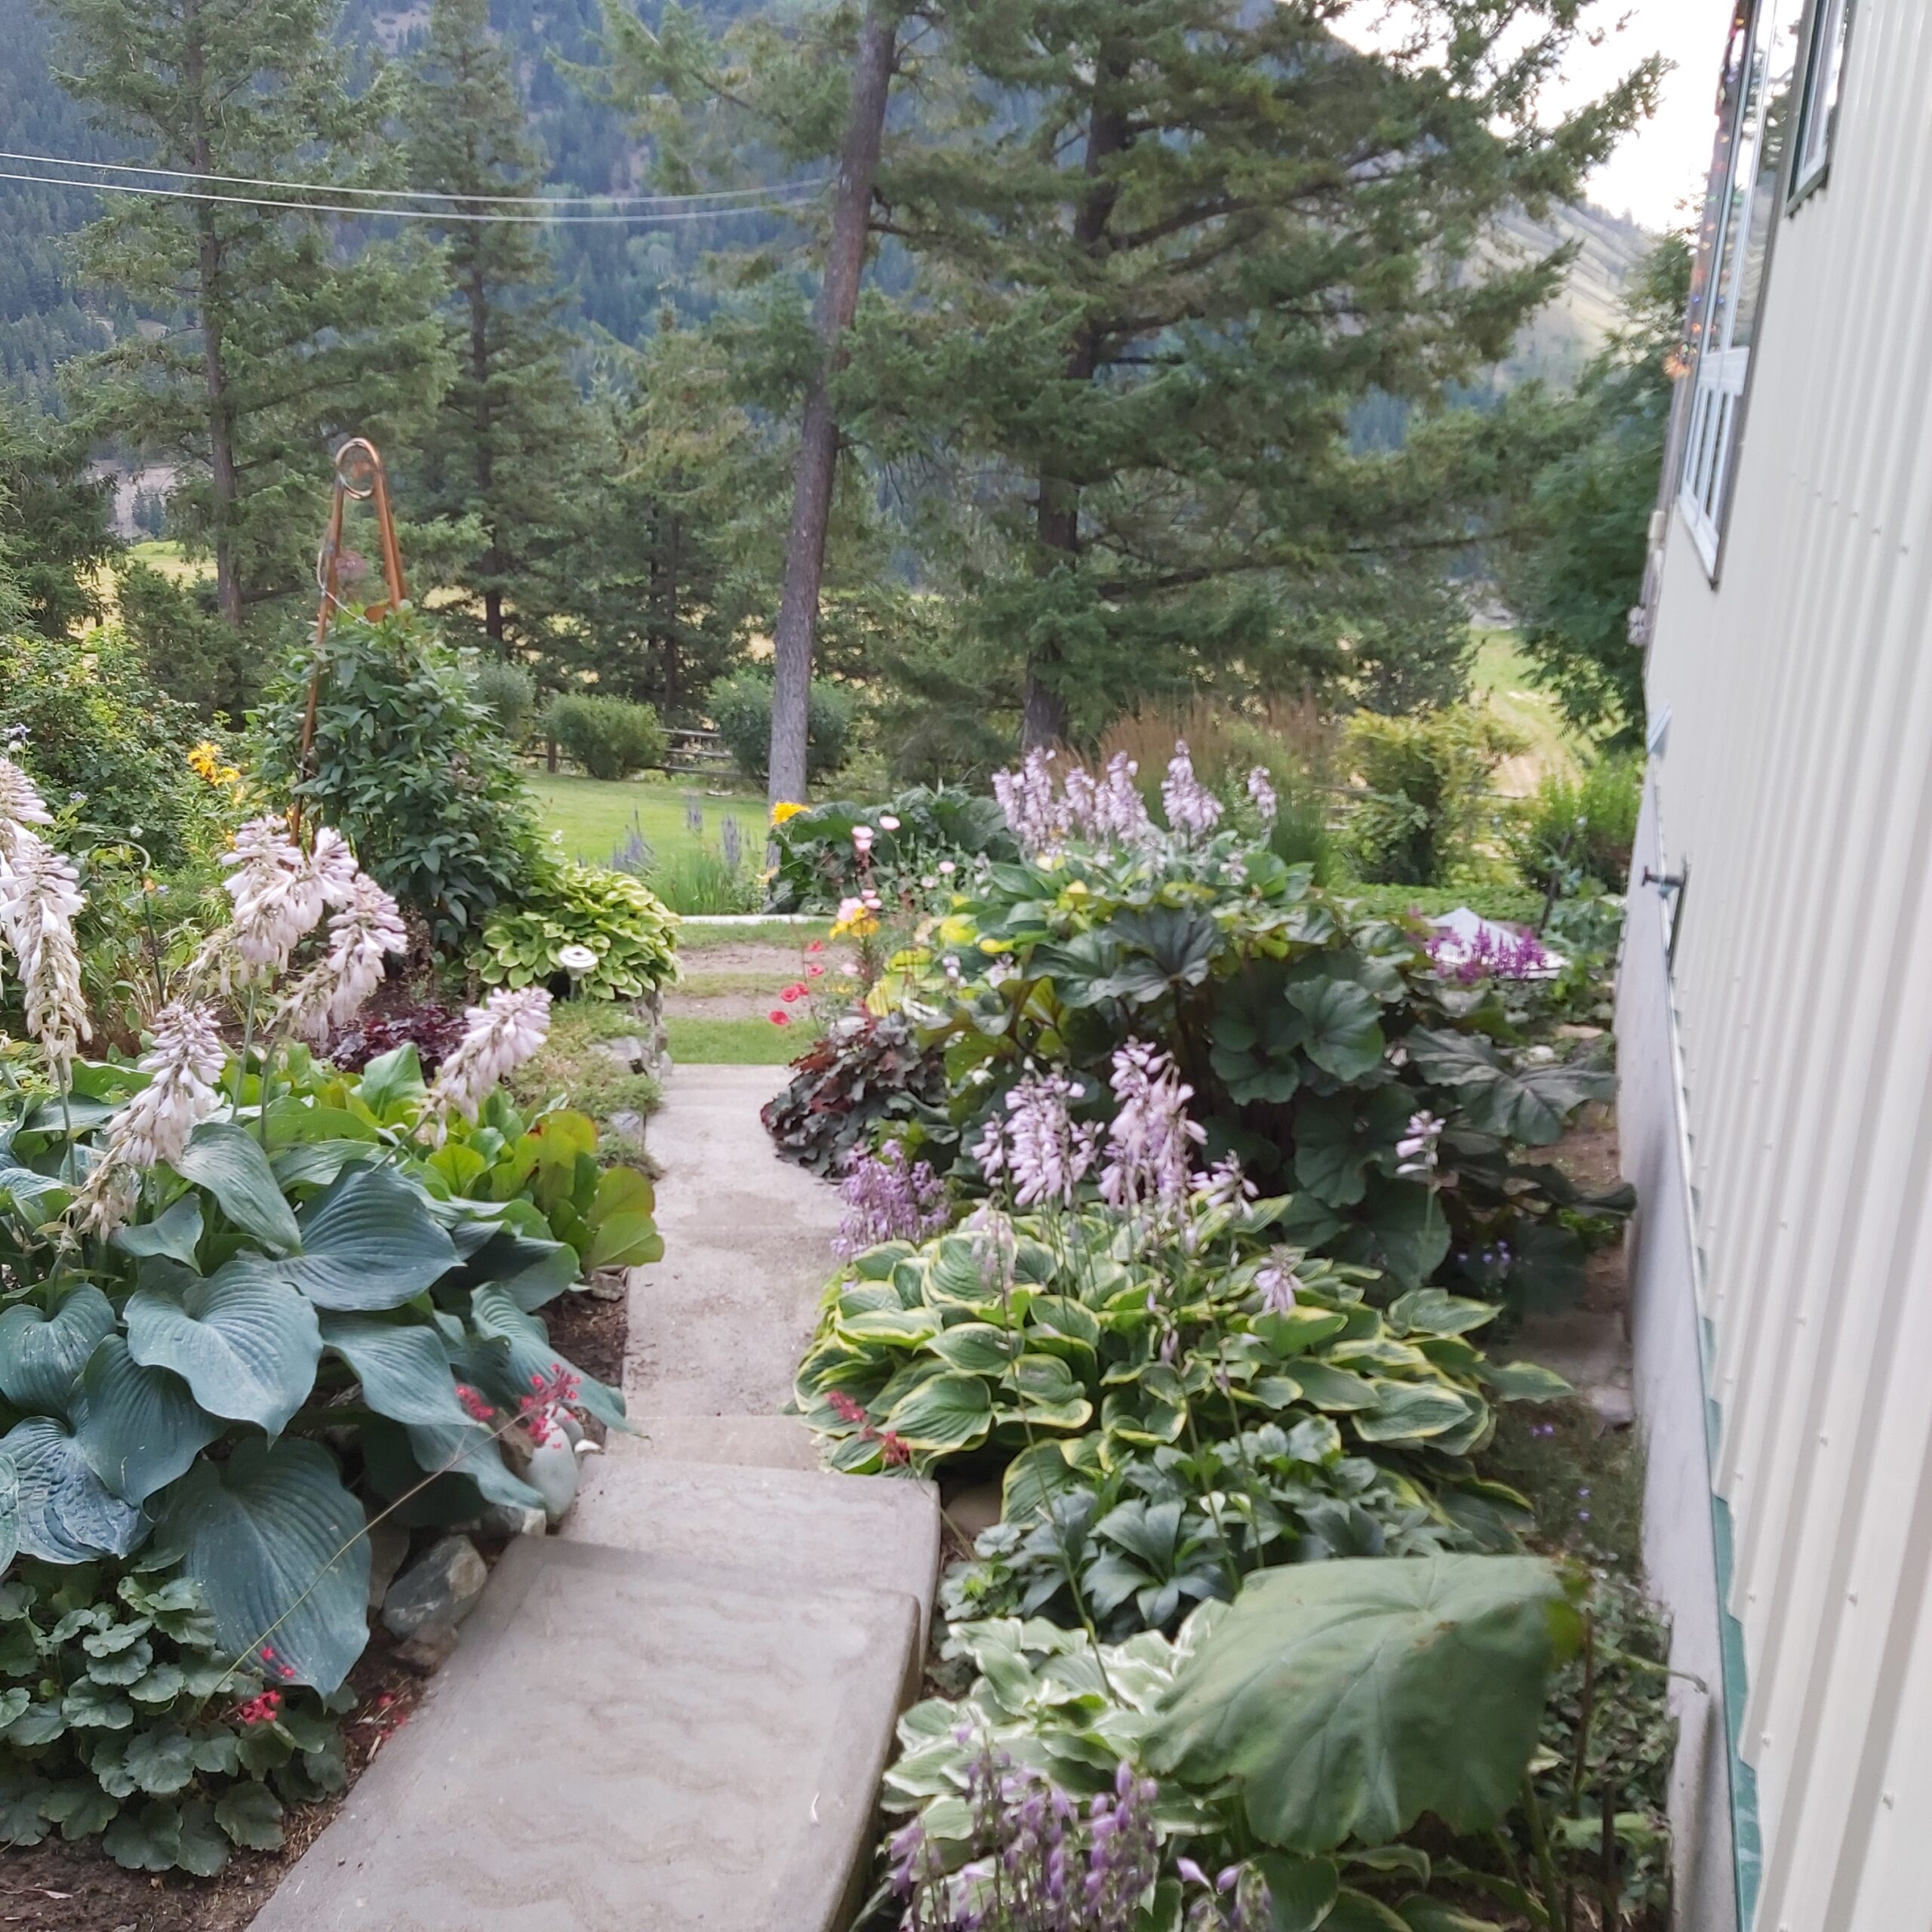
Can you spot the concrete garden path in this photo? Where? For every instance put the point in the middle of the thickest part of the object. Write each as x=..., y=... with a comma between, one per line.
x=674, y=1715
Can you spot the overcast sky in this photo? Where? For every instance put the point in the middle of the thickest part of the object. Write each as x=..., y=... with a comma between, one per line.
x=1666, y=161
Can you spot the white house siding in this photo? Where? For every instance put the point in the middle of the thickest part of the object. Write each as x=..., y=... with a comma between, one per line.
x=1794, y=782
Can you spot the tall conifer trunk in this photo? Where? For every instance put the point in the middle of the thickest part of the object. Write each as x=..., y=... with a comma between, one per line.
x=208, y=291
x=1043, y=716
x=818, y=443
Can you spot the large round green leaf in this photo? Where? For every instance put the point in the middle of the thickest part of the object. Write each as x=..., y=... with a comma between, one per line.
x=943, y=1414
x=175, y=1234
x=244, y=1343
x=41, y=1356
x=225, y=1159
x=138, y=1428
x=531, y=1358
x=401, y=1365
x=370, y=1242
x=1344, y=1026
x=279, y=1548
x=65, y=1513
x=1348, y=1697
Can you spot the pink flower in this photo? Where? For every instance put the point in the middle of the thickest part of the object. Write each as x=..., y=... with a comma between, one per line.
x=263, y=1709
x=791, y=993
x=473, y=1404
x=893, y=1450
x=551, y=1395
x=845, y=1408
x=778, y=1018
x=816, y=972
x=887, y=822
x=816, y=946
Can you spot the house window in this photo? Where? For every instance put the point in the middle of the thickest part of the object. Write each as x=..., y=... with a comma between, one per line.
x=1757, y=102
x=1824, y=75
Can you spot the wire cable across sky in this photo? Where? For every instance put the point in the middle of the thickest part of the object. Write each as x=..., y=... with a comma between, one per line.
x=388, y=204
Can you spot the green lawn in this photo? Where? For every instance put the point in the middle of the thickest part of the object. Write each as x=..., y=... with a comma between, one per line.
x=596, y=815
x=1503, y=673
x=696, y=1041
x=756, y=932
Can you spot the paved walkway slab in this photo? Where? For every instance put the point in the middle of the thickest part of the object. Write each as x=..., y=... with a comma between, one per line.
x=624, y=1744
x=718, y=1327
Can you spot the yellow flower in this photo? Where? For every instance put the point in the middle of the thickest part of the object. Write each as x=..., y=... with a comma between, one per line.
x=204, y=760
x=785, y=808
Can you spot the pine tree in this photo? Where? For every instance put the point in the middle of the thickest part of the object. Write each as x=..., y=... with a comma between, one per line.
x=1161, y=247
x=54, y=535
x=285, y=331
x=508, y=444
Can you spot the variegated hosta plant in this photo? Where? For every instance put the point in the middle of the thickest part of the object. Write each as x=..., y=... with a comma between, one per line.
x=248, y=1304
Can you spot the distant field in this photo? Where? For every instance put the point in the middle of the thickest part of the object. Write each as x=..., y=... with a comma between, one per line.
x=596, y=816
x=1503, y=673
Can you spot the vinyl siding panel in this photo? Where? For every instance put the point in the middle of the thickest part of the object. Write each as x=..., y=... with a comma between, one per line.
x=1796, y=783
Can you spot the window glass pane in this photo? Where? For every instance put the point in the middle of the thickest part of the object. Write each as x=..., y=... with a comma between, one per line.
x=1730, y=84
x=1774, y=58
x=1821, y=91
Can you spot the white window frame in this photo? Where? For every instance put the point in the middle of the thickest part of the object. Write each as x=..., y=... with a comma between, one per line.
x=1829, y=36
x=1723, y=365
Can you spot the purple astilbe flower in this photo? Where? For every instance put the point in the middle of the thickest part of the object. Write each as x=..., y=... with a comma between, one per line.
x=1192, y=811
x=1151, y=1139
x=1047, y=1153
x=1263, y=793
x=1492, y=953
x=1417, y=1149
x=887, y=1198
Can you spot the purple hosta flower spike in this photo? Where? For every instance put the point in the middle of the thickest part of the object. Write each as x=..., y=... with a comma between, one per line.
x=1416, y=1151
x=1192, y=811
x=1048, y=1154
x=1279, y=1287
x=1151, y=1139
x=887, y=1198
x=1224, y=1185
x=1263, y=793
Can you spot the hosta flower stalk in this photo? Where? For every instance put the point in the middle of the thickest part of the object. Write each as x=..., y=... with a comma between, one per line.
x=506, y=1030
x=362, y=935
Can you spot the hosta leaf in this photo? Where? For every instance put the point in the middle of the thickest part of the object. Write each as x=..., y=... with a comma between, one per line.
x=531, y=1357
x=392, y=1082
x=401, y=1365
x=65, y=1513
x=10, y=1509
x=1346, y=1698
x=226, y=1160
x=277, y=1546
x=175, y=1234
x=369, y=1242
x=41, y=1356
x=944, y=1414
x=1524, y=1381
x=1300, y=1891
x=138, y=1428
x=976, y=1348
x=245, y=1344
x=1431, y=1312
x=1411, y=1412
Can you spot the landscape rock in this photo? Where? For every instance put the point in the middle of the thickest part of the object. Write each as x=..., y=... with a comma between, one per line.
x=430, y=1649
x=389, y=1547
x=439, y=1589
x=511, y=1519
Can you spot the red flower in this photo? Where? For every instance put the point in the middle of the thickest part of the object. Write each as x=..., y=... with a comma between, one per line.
x=894, y=1449
x=844, y=1408
x=259, y=1710
x=791, y=993
x=473, y=1404
x=817, y=946
x=778, y=1018
x=815, y=971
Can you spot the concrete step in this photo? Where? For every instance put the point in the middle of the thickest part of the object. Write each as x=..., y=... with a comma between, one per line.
x=770, y=1442
x=782, y=1528
x=627, y=1742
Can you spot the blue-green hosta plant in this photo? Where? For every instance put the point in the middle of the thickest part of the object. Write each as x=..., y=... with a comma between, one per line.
x=1273, y=1753
x=1315, y=1041
x=244, y=1305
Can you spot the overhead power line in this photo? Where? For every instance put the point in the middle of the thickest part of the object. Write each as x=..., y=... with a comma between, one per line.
x=777, y=201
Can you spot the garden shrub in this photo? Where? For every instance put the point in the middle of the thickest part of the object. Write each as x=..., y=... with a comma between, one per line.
x=1575, y=834
x=1427, y=802
x=914, y=834
x=741, y=706
x=864, y=1073
x=610, y=737
x=113, y=753
x=408, y=766
x=508, y=692
x=617, y=919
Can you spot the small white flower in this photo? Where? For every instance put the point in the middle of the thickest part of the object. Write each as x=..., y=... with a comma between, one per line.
x=946, y=869
x=577, y=960
x=887, y=822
